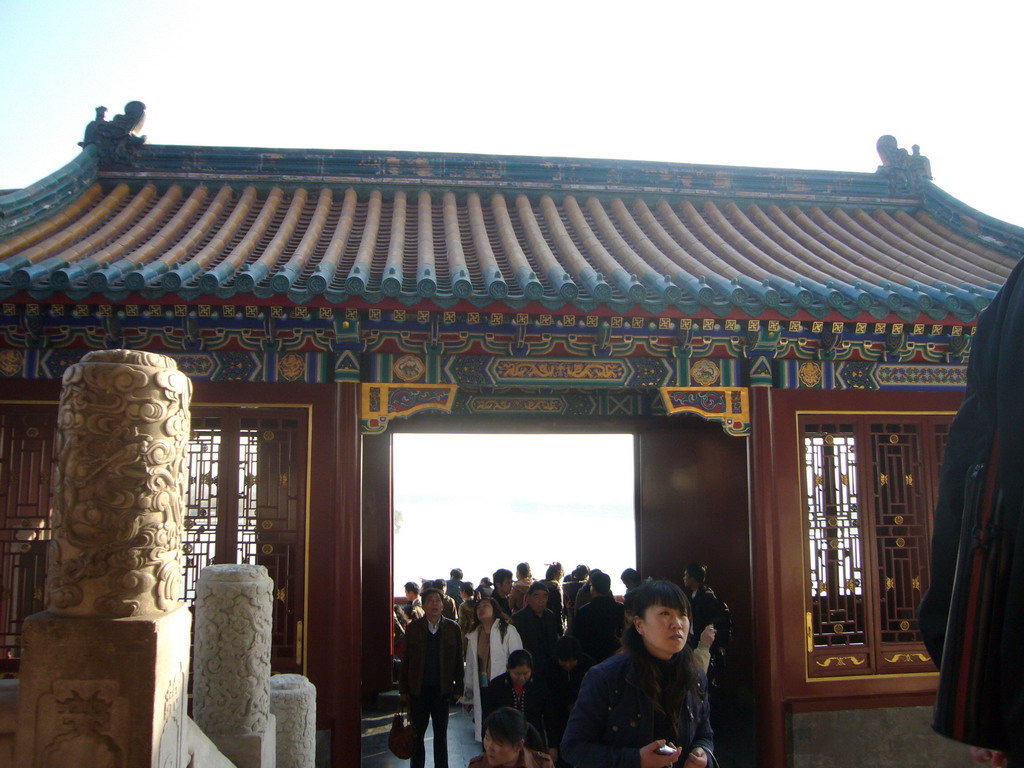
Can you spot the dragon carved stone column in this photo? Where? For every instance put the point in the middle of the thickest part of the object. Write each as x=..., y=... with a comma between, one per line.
x=104, y=670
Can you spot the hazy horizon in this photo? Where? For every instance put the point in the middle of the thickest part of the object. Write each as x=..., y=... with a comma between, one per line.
x=483, y=502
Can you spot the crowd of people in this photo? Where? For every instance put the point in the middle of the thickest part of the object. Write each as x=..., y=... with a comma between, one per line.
x=558, y=671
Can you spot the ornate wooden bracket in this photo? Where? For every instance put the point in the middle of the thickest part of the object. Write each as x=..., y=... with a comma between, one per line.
x=728, y=405
x=908, y=658
x=840, y=661
x=382, y=402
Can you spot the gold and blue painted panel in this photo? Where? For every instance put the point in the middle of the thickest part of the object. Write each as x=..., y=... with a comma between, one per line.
x=225, y=366
x=488, y=350
x=382, y=402
x=482, y=371
x=730, y=406
x=479, y=371
x=864, y=375
x=570, y=404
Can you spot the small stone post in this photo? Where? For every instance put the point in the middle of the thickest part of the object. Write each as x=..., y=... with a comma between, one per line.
x=104, y=670
x=293, y=702
x=231, y=672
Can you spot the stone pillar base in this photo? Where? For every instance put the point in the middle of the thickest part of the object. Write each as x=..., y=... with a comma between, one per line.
x=103, y=692
x=249, y=750
x=293, y=701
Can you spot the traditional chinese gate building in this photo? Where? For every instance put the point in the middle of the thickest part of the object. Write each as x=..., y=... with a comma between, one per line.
x=817, y=324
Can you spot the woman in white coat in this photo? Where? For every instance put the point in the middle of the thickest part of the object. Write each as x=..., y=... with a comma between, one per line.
x=490, y=641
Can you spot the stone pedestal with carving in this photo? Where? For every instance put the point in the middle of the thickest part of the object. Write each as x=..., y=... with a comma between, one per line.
x=293, y=703
x=103, y=692
x=105, y=667
x=231, y=671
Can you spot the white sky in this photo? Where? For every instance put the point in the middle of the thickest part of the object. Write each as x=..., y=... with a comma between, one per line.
x=785, y=84
x=482, y=502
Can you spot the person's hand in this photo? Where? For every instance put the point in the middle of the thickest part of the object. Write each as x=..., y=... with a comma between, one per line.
x=649, y=757
x=696, y=759
x=553, y=751
x=708, y=635
x=995, y=759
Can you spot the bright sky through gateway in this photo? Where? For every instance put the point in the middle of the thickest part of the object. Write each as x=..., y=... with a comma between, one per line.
x=805, y=84
x=483, y=502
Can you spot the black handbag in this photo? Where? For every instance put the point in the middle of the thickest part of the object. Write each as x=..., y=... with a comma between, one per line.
x=402, y=739
x=967, y=705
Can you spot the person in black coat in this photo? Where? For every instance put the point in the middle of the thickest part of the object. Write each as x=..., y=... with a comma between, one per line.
x=650, y=696
x=599, y=623
x=538, y=627
x=520, y=689
x=563, y=676
x=553, y=579
x=707, y=610
x=993, y=399
x=431, y=676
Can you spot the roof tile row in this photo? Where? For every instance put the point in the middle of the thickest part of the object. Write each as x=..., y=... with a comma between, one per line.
x=502, y=247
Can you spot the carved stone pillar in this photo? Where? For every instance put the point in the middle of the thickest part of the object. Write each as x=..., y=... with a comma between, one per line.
x=293, y=703
x=105, y=667
x=231, y=672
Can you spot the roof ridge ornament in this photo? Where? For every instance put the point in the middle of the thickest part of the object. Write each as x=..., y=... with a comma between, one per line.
x=117, y=140
x=905, y=170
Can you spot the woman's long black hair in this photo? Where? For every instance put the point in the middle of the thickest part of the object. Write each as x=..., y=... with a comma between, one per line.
x=499, y=615
x=685, y=678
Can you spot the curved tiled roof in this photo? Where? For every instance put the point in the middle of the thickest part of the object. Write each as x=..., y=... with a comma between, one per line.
x=724, y=248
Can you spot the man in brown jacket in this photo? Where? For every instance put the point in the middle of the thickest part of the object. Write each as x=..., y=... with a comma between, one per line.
x=431, y=676
x=524, y=578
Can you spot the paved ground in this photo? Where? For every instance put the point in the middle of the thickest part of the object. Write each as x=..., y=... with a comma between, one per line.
x=733, y=722
x=461, y=745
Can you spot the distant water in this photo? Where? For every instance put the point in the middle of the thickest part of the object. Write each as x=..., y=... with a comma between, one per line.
x=481, y=502
x=432, y=538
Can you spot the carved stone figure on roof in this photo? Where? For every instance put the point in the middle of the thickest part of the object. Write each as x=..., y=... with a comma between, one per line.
x=905, y=171
x=920, y=164
x=117, y=139
x=892, y=155
x=92, y=130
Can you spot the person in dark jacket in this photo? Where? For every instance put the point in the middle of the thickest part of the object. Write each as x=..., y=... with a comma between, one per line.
x=650, y=696
x=502, y=589
x=431, y=675
x=553, y=580
x=599, y=624
x=510, y=742
x=454, y=586
x=520, y=689
x=538, y=627
x=708, y=610
x=572, y=585
x=630, y=580
x=563, y=676
x=450, y=609
x=993, y=398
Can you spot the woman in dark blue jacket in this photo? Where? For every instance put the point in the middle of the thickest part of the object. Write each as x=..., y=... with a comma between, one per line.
x=646, y=707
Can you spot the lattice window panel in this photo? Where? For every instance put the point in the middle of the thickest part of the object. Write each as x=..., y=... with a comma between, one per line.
x=271, y=516
x=940, y=438
x=28, y=464
x=901, y=506
x=202, y=520
x=256, y=517
x=834, y=535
